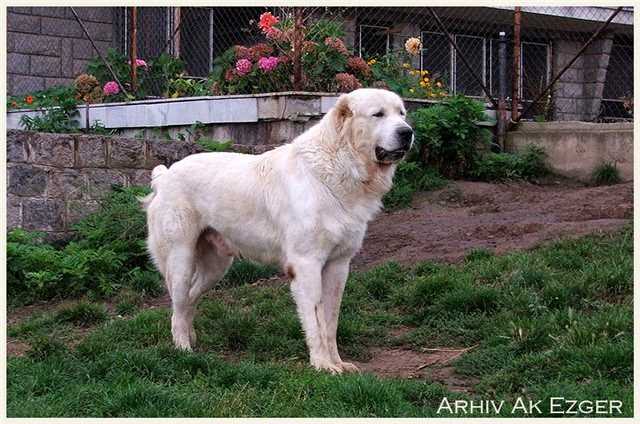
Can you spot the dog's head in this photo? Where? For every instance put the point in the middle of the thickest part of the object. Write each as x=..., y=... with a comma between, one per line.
x=374, y=122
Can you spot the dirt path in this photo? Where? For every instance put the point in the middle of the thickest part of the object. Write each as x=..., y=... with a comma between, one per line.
x=445, y=225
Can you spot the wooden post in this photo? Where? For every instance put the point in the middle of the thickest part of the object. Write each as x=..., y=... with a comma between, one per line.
x=133, y=52
x=515, y=82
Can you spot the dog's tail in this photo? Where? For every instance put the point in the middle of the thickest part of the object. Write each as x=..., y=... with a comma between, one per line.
x=157, y=172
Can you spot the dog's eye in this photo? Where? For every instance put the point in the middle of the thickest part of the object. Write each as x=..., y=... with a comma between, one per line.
x=379, y=114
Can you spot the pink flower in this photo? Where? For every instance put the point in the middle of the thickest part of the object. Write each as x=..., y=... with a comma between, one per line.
x=273, y=34
x=243, y=66
x=111, y=88
x=140, y=62
x=268, y=64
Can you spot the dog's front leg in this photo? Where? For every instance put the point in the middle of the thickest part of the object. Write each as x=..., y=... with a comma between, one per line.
x=307, y=293
x=334, y=277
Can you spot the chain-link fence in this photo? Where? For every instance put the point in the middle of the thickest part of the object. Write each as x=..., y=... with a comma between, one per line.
x=236, y=50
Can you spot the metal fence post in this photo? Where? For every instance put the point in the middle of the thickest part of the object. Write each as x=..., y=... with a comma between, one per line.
x=502, y=88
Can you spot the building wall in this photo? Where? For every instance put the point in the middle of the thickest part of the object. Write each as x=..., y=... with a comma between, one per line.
x=46, y=46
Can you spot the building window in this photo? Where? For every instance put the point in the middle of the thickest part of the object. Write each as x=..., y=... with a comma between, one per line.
x=375, y=41
x=474, y=50
x=618, y=85
x=437, y=57
x=534, y=69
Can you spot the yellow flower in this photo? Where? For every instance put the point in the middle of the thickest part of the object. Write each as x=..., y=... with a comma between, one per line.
x=426, y=79
x=411, y=90
x=412, y=72
x=406, y=65
x=371, y=62
x=439, y=84
x=423, y=84
x=423, y=72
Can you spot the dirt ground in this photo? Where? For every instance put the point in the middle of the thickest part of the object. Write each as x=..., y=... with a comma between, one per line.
x=445, y=225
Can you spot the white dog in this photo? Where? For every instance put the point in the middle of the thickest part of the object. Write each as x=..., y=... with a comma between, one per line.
x=304, y=206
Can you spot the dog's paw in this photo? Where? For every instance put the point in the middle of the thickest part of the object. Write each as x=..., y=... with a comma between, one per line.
x=348, y=367
x=326, y=365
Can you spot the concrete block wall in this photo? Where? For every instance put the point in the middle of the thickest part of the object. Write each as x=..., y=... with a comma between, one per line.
x=578, y=92
x=46, y=46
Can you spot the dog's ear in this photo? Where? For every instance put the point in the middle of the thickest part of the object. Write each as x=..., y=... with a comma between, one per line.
x=341, y=112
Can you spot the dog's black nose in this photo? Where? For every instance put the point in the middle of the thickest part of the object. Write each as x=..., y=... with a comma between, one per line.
x=405, y=135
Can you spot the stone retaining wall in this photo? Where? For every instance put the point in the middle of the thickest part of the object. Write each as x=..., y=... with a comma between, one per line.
x=56, y=179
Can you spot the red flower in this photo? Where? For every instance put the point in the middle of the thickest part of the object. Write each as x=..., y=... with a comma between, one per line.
x=347, y=82
x=267, y=20
x=28, y=100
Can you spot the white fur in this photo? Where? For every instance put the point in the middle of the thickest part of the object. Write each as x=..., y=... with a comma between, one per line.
x=304, y=206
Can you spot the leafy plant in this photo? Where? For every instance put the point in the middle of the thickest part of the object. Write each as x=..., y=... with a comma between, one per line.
x=606, y=174
x=57, y=115
x=211, y=145
x=411, y=177
x=507, y=166
x=448, y=136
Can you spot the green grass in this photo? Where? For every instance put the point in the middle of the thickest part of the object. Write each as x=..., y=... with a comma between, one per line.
x=556, y=321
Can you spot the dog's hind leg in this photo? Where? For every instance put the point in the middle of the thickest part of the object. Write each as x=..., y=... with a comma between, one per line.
x=213, y=260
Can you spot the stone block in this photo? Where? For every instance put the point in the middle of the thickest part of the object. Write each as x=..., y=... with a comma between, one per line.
x=79, y=209
x=166, y=152
x=14, y=212
x=66, y=58
x=126, y=153
x=140, y=177
x=82, y=48
x=23, y=10
x=56, y=12
x=92, y=151
x=62, y=27
x=100, y=31
x=79, y=66
x=45, y=66
x=101, y=181
x=66, y=184
x=43, y=214
x=23, y=23
x=26, y=180
x=93, y=14
x=17, y=63
x=52, y=82
x=51, y=149
x=22, y=84
x=16, y=145
x=36, y=44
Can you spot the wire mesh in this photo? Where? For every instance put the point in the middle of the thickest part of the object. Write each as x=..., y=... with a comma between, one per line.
x=231, y=50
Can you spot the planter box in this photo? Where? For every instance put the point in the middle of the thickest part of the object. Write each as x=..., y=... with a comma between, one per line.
x=181, y=112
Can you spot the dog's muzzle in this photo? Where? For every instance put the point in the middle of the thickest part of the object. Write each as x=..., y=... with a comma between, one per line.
x=405, y=138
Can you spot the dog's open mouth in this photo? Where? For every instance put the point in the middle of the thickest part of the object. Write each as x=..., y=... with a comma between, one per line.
x=388, y=156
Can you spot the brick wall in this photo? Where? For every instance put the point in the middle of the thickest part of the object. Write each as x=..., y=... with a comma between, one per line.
x=46, y=46
x=56, y=179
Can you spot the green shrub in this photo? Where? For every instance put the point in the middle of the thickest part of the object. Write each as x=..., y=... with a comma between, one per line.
x=606, y=174
x=108, y=253
x=211, y=145
x=448, y=137
x=506, y=166
x=45, y=346
x=409, y=178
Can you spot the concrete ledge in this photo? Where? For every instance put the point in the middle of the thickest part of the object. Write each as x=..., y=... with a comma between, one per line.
x=297, y=106
x=576, y=149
